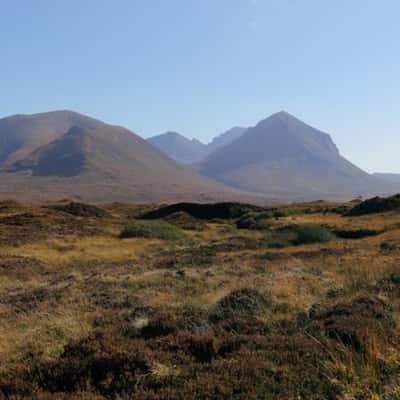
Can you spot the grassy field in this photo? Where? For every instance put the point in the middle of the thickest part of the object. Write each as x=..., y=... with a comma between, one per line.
x=296, y=302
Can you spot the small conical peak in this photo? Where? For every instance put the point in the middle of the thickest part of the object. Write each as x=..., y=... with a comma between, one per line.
x=283, y=115
x=172, y=134
x=169, y=135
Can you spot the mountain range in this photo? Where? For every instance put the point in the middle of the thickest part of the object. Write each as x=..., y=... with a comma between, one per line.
x=189, y=151
x=63, y=154
x=180, y=148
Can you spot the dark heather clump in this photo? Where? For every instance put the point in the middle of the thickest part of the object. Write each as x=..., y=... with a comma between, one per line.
x=308, y=233
x=354, y=322
x=204, y=211
x=242, y=302
x=376, y=205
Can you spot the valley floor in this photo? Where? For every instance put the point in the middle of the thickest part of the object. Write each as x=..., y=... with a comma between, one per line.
x=298, y=302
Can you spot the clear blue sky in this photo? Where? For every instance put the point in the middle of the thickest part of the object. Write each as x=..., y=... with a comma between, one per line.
x=202, y=66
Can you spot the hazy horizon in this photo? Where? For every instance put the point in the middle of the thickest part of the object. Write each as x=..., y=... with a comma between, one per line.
x=200, y=68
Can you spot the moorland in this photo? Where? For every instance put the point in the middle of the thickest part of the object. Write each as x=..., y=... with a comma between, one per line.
x=189, y=301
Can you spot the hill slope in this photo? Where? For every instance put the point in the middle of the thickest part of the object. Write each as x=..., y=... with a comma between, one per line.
x=92, y=161
x=179, y=148
x=22, y=134
x=226, y=138
x=286, y=157
x=390, y=178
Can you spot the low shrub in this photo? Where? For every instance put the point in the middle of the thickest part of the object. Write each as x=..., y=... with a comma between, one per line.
x=241, y=302
x=102, y=365
x=203, y=348
x=388, y=246
x=281, y=213
x=341, y=210
x=355, y=322
x=256, y=220
x=253, y=222
x=160, y=325
x=308, y=233
x=152, y=230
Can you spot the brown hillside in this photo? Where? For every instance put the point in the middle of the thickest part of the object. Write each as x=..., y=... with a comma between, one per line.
x=93, y=161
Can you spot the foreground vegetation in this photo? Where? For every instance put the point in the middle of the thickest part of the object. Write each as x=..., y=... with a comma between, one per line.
x=199, y=302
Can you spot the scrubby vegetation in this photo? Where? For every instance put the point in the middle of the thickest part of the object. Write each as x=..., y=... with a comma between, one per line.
x=81, y=209
x=308, y=233
x=376, y=205
x=152, y=230
x=293, y=309
x=203, y=211
x=185, y=221
x=255, y=221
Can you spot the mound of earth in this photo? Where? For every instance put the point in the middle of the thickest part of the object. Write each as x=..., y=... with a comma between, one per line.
x=376, y=205
x=242, y=302
x=355, y=321
x=240, y=311
x=185, y=221
x=204, y=211
x=9, y=205
x=81, y=210
x=18, y=219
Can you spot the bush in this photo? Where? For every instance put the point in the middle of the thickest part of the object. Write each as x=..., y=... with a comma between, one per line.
x=152, y=230
x=160, y=325
x=281, y=213
x=309, y=233
x=341, y=210
x=241, y=302
x=253, y=223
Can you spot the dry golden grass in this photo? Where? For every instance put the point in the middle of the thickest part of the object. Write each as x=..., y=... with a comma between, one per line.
x=72, y=249
x=91, y=283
